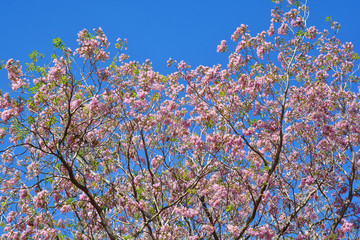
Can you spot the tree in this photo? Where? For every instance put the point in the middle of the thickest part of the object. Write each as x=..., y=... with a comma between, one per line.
x=264, y=148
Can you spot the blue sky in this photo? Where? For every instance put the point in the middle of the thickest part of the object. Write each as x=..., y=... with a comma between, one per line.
x=187, y=30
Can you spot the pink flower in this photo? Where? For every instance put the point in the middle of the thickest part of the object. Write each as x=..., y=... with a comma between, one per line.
x=260, y=52
x=40, y=199
x=298, y=22
x=157, y=161
x=6, y=115
x=283, y=29
x=65, y=208
x=239, y=31
x=95, y=104
x=7, y=156
x=75, y=104
x=141, y=94
x=83, y=197
x=346, y=227
x=311, y=32
x=233, y=230
x=15, y=74
x=208, y=228
x=23, y=193
x=11, y=216
x=137, y=180
x=222, y=47
x=34, y=168
x=271, y=30
x=103, y=74
x=250, y=131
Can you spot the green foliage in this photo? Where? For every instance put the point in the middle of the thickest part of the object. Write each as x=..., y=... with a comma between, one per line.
x=2, y=65
x=19, y=129
x=58, y=43
x=36, y=88
x=328, y=19
x=35, y=56
x=191, y=191
x=209, y=124
x=61, y=236
x=30, y=67
x=155, y=97
x=95, y=164
x=41, y=70
x=265, y=168
x=252, y=122
x=4, y=203
x=52, y=121
x=334, y=25
x=356, y=56
x=297, y=3
x=301, y=33
x=230, y=209
x=164, y=79
x=30, y=120
x=49, y=180
x=70, y=200
x=53, y=56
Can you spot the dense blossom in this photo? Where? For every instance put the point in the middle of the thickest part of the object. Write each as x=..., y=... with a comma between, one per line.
x=264, y=147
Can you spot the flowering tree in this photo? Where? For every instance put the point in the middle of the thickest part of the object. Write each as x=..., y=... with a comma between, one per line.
x=264, y=148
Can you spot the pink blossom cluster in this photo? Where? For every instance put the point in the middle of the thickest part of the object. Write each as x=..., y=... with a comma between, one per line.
x=222, y=47
x=93, y=48
x=15, y=74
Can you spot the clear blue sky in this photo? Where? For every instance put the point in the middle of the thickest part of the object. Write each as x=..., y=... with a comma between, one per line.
x=187, y=30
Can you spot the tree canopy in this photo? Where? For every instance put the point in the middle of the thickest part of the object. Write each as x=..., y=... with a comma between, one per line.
x=96, y=146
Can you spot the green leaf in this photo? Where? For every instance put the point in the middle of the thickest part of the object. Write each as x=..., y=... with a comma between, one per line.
x=61, y=236
x=49, y=180
x=164, y=79
x=96, y=165
x=35, y=56
x=4, y=203
x=58, y=43
x=191, y=191
x=300, y=33
x=30, y=67
x=70, y=200
x=265, y=169
x=356, y=56
x=31, y=120
x=2, y=65
x=230, y=208
x=252, y=121
x=41, y=70
x=54, y=56
x=155, y=97
x=209, y=124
